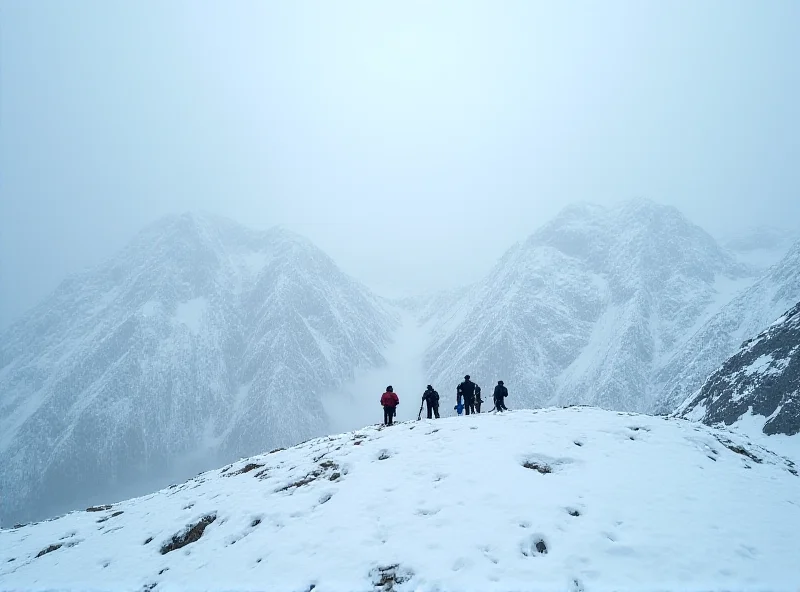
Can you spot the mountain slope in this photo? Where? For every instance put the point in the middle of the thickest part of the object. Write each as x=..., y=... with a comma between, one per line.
x=762, y=378
x=200, y=341
x=746, y=315
x=760, y=246
x=629, y=503
x=589, y=308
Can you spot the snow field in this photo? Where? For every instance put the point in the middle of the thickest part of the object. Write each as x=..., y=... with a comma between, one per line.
x=610, y=501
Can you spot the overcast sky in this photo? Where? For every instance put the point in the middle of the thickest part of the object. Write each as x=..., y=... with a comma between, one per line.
x=412, y=141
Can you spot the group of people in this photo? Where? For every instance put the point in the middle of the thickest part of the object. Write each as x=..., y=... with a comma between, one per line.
x=468, y=400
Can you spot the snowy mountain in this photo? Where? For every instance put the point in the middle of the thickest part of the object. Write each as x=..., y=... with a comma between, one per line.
x=761, y=379
x=746, y=315
x=587, y=309
x=202, y=341
x=578, y=499
x=760, y=246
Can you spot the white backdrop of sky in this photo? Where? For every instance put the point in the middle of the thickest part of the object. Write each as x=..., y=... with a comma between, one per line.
x=413, y=141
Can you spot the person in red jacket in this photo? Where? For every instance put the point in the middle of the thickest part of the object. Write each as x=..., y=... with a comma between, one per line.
x=390, y=401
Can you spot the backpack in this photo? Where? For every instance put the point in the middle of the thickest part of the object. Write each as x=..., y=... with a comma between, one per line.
x=467, y=388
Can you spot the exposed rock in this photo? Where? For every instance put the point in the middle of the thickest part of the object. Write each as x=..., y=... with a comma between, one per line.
x=762, y=378
x=191, y=535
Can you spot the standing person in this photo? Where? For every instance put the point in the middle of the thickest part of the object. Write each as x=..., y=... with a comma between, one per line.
x=431, y=398
x=500, y=394
x=390, y=401
x=478, y=400
x=467, y=390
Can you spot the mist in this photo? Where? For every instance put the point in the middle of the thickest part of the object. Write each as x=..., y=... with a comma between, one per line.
x=412, y=142
x=356, y=403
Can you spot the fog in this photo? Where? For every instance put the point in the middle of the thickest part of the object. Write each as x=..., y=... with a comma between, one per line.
x=356, y=403
x=412, y=141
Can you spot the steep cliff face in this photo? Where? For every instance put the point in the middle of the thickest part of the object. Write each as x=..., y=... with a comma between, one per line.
x=761, y=379
x=749, y=313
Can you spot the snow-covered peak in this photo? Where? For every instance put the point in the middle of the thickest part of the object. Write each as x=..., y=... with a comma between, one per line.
x=213, y=235
x=760, y=237
x=640, y=234
x=589, y=307
x=578, y=499
x=762, y=246
x=200, y=340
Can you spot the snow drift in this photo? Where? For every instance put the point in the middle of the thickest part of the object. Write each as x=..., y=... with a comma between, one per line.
x=568, y=499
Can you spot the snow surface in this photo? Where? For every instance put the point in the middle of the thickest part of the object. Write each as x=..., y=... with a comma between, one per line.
x=190, y=313
x=632, y=502
x=751, y=426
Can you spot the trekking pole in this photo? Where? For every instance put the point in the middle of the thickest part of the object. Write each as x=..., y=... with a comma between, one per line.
x=419, y=415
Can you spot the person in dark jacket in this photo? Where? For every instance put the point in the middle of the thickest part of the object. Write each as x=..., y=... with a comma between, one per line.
x=431, y=398
x=478, y=400
x=500, y=394
x=390, y=401
x=467, y=390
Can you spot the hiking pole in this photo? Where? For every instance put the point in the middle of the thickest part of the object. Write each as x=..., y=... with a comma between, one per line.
x=419, y=415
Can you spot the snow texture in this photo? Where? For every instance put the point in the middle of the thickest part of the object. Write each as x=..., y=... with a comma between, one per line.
x=201, y=342
x=204, y=341
x=761, y=380
x=587, y=310
x=744, y=317
x=760, y=246
x=568, y=499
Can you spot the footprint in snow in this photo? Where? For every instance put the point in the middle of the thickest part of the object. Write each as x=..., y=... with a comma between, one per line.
x=461, y=563
x=533, y=546
x=428, y=511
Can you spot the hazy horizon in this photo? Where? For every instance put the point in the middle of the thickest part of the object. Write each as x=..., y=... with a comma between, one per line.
x=380, y=290
x=413, y=143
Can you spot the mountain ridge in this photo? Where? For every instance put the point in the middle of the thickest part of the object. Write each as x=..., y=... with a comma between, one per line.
x=199, y=338
x=761, y=379
x=596, y=306
x=598, y=299
x=745, y=316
